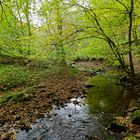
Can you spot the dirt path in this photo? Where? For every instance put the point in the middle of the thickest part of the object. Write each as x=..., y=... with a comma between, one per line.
x=92, y=64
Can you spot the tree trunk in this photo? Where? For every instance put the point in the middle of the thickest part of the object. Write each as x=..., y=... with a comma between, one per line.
x=60, y=46
x=132, y=73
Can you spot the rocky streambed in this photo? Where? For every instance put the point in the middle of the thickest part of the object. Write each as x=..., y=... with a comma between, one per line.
x=73, y=121
x=82, y=118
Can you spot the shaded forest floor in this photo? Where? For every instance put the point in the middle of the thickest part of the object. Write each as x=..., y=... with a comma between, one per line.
x=23, y=100
x=29, y=92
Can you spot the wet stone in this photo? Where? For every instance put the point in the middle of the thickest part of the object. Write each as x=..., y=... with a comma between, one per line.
x=55, y=114
x=69, y=115
x=76, y=102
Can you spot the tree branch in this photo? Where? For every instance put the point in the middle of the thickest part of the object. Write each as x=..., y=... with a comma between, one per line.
x=123, y=5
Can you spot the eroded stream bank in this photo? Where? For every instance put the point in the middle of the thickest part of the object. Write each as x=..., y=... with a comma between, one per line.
x=83, y=118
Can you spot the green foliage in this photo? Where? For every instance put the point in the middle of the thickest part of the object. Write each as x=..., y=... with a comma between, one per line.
x=19, y=97
x=16, y=97
x=136, y=114
x=91, y=52
x=12, y=76
x=131, y=138
x=17, y=75
x=67, y=30
x=24, y=81
x=113, y=62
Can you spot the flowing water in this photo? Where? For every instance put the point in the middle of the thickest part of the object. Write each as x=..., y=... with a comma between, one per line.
x=82, y=118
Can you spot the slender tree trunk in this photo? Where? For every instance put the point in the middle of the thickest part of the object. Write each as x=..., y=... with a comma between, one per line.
x=29, y=31
x=60, y=30
x=132, y=73
x=27, y=14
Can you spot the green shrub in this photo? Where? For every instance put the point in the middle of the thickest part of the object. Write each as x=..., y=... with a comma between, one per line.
x=131, y=138
x=16, y=97
x=12, y=76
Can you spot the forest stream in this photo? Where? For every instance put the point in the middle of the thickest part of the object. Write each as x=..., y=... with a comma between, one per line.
x=69, y=70
x=83, y=118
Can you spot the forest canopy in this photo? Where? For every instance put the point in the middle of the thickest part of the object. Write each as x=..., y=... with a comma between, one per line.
x=65, y=30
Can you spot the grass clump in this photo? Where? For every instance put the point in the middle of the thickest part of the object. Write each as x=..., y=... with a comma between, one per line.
x=20, y=97
x=16, y=97
x=12, y=76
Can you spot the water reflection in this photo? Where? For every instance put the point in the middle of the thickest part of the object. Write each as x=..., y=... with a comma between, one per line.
x=106, y=96
x=70, y=122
